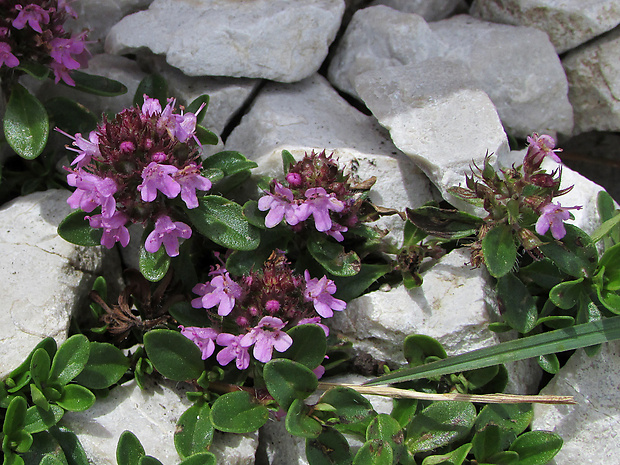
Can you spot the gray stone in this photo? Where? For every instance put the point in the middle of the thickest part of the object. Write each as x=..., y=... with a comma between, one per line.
x=150, y=414
x=590, y=427
x=436, y=115
x=529, y=90
x=273, y=39
x=430, y=10
x=310, y=115
x=593, y=73
x=44, y=279
x=568, y=23
x=380, y=37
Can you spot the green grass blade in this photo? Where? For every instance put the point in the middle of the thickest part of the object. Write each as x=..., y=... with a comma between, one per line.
x=560, y=340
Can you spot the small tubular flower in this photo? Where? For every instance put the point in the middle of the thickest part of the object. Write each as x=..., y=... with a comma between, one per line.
x=190, y=180
x=552, y=218
x=221, y=291
x=168, y=233
x=280, y=205
x=539, y=148
x=158, y=177
x=92, y=191
x=265, y=337
x=114, y=229
x=33, y=15
x=319, y=292
x=232, y=351
x=6, y=57
x=202, y=337
x=318, y=204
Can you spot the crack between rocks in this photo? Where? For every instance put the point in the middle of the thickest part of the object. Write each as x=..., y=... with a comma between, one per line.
x=69, y=261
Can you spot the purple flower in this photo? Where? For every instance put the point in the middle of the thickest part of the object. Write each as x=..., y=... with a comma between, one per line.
x=233, y=350
x=190, y=180
x=314, y=321
x=541, y=147
x=318, y=204
x=185, y=126
x=553, y=217
x=280, y=205
x=202, y=337
x=266, y=336
x=92, y=191
x=167, y=232
x=61, y=73
x=62, y=49
x=319, y=292
x=6, y=57
x=158, y=177
x=294, y=179
x=64, y=5
x=86, y=149
x=31, y=14
x=151, y=106
x=114, y=229
x=336, y=231
x=221, y=291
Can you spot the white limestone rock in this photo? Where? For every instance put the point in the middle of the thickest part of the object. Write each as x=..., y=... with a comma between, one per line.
x=281, y=40
x=529, y=89
x=568, y=23
x=593, y=73
x=99, y=17
x=310, y=115
x=454, y=305
x=590, y=427
x=430, y=10
x=44, y=280
x=150, y=414
x=436, y=115
x=379, y=37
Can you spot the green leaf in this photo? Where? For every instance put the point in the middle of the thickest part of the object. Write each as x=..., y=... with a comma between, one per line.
x=299, y=423
x=234, y=412
x=223, y=222
x=153, y=266
x=38, y=398
x=76, y=398
x=194, y=432
x=36, y=70
x=549, y=363
x=446, y=224
x=205, y=136
x=203, y=458
x=309, y=345
x=129, y=450
x=46, y=445
x=195, y=106
x=51, y=460
x=106, y=365
x=12, y=459
x=412, y=235
x=149, y=460
x=229, y=162
x=333, y=257
x=611, y=262
x=440, y=424
x=386, y=428
x=542, y=273
x=71, y=116
x=516, y=304
x=354, y=286
x=15, y=416
x=559, y=340
x=566, y=294
x=455, y=457
x=576, y=255
x=154, y=86
x=330, y=448
x=510, y=418
x=287, y=160
x=97, y=85
x=556, y=321
x=287, y=380
x=499, y=250
x=417, y=347
x=610, y=218
x=70, y=359
x=487, y=442
x=374, y=452
x=254, y=216
x=38, y=419
x=26, y=125
x=173, y=355
x=76, y=230
x=187, y=315
x=536, y=447
x=21, y=441
x=353, y=411
x=404, y=410
x=40, y=366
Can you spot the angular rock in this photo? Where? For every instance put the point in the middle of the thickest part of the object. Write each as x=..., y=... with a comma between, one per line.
x=529, y=90
x=454, y=305
x=568, y=23
x=590, y=427
x=430, y=10
x=436, y=115
x=379, y=37
x=593, y=73
x=310, y=115
x=273, y=39
x=150, y=414
x=44, y=280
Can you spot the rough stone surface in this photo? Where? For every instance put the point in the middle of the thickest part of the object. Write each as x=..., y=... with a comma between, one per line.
x=569, y=23
x=310, y=115
x=430, y=10
x=273, y=39
x=43, y=278
x=529, y=90
x=437, y=116
x=150, y=414
x=380, y=37
x=589, y=428
x=593, y=73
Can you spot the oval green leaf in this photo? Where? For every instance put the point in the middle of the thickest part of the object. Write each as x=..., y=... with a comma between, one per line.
x=536, y=447
x=516, y=304
x=38, y=420
x=576, y=255
x=106, y=365
x=76, y=229
x=298, y=423
x=229, y=162
x=71, y=116
x=194, y=431
x=203, y=458
x=15, y=416
x=154, y=266
x=374, y=452
x=499, y=250
x=234, y=412
x=309, y=345
x=97, y=85
x=566, y=294
x=287, y=380
x=354, y=411
x=330, y=448
x=129, y=450
x=173, y=355
x=455, y=457
x=70, y=359
x=386, y=428
x=26, y=125
x=76, y=398
x=194, y=106
x=333, y=257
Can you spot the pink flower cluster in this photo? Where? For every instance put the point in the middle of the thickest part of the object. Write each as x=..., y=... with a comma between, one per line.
x=32, y=31
x=262, y=305
x=315, y=188
x=131, y=167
